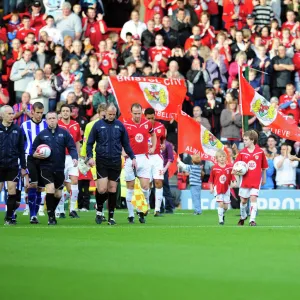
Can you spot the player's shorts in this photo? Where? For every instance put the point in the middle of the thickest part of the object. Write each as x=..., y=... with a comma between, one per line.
x=9, y=174
x=111, y=172
x=225, y=198
x=143, y=168
x=33, y=167
x=246, y=193
x=70, y=170
x=58, y=178
x=157, y=167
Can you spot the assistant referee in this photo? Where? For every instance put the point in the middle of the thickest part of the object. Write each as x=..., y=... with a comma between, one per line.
x=110, y=136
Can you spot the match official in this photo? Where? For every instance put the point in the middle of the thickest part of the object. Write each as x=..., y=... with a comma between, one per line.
x=12, y=157
x=110, y=136
x=52, y=168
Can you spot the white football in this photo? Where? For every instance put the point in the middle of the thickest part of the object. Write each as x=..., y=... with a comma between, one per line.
x=44, y=149
x=240, y=168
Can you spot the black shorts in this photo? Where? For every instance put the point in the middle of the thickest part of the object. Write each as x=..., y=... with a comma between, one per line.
x=9, y=174
x=33, y=166
x=112, y=171
x=58, y=178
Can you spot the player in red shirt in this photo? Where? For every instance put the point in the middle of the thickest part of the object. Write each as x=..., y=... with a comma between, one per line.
x=250, y=183
x=160, y=54
x=71, y=172
x=289, y=103
x=138, y=130
x=156, y=160
x=220, y=180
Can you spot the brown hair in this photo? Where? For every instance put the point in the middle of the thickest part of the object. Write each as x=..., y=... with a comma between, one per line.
x=210, y=90
x=252, y=135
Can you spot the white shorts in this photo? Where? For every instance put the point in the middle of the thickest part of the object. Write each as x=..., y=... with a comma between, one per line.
x=223, y=197
x=70, y=170
x=157, y=167
x=246, y=193
x=143, y=168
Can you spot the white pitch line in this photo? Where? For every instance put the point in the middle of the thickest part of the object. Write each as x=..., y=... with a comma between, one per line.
x=123, y=226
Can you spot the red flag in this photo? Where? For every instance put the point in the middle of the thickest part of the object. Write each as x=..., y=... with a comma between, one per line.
x=173, y=167
x=255, y=104
x=163, y=94
x=197, y=140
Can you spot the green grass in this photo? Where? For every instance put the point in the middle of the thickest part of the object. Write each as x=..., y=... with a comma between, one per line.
x=180, y=256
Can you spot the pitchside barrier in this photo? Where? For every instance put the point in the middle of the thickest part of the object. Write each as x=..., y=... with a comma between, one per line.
x=268, y=199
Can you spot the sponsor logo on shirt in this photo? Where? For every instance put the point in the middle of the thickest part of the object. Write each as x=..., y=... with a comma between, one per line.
x=139, y=138
x=222, y=179
x=251, y=165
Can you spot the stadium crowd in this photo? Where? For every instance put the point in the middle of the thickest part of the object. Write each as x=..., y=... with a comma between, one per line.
x=58, y=52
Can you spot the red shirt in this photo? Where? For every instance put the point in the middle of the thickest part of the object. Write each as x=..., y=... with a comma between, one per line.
x=37, y=22
x=156, y=9
x=294, y=110
x=206, y=38
x=32, y=48
x=288, y=25
x=256, y=162
x=212, y=7
x=73, y=128
x=287, y=43
x=160, y=132
x=296, y=61
x=138, y=135
x=105, y=62
x=221, y=178
x=5, y=93
x=3, y=34
x=93, y=31
x=22, y=33
x=164, y=51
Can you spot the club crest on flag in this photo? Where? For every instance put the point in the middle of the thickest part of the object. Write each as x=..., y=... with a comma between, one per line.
x=156, y=95
x=209, y=141
x=267, y=113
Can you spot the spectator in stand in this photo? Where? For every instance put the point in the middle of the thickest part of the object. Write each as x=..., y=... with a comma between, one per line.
x=153, y=7
x=50, y=81
x=242, y=43
x=94, y=27
x=231, y=123
x=197, y=115
x=157, y=22
x=197, y=79
x=148, y=36
x=224, y=49
x=190, y=6
x=285, y=165
x=64, y=81
x=54, y=8
x=289, y=103
x=272, y=145
x=263, y=14
x=103, y=97
x=177, y=55
x=23, y=31
x=79, y=54
x=132, y=70
x=195, y=34
x=39, y=90
x=296, y=61
x=269, y=185
x=160, y=54
x=282, y=75
x=23, y=109
x=37, y=18
x=56, y=61
x=169, y=34
x=134, y=26
x=4, y=96
x=173, y=71
x=135, y=57
x=107, y=60
x=182, y=25
x=263, y=64
x=82, y=99
x=22, y=73
x=290, y=23
x=240, y=61
x=212, y=111
x=29, y=43
x=235, y=15
x=216, y=68
x=54, y=34
x=40, y=56
x=180, y=5
x=207, y=31
x=250, y=24
x=69, y=23
x=93, y=70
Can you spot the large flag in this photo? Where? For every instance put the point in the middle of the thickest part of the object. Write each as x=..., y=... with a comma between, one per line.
x=163, y=94
x=173, y=167
x=193, y=138
x=253, y=103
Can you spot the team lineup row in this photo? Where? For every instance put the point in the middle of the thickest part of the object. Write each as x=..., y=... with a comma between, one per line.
x=142, y=140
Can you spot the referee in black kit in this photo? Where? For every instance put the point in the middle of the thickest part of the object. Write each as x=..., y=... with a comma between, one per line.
x=110, y=136
x=52, y=168
x=12, y=155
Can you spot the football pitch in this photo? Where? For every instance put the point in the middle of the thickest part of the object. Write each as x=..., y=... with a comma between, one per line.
x=179, y=256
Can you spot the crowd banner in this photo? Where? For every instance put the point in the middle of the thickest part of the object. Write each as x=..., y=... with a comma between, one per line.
x=254, y=104
x=163, y=94
x=193, y=138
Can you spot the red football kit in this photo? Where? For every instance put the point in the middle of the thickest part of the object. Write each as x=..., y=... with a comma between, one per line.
x=165, y=52
x=138, y=135
x=73, y=128
x=256, y=162
x=160, y=132
x=221, y=177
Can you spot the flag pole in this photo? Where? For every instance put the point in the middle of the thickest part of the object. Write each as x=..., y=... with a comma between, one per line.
x=245, y=125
